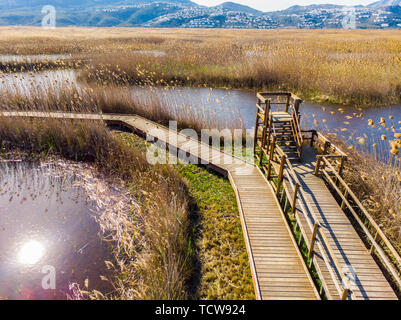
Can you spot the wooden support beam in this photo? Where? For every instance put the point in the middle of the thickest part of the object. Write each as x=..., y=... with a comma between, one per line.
x=313, y=240
x=294, y=199
x=280, y=174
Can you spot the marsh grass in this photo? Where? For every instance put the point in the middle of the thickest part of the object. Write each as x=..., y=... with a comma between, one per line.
x=154, y=260
x=37, y=66
x=222, y=266
x=340, y=66
x=357, y=70
x=150, y=103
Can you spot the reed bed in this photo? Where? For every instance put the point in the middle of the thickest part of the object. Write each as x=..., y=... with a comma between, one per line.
x=154, y=259
x=149, y=103
x=342, y=66
x=155, y=253
x=38, y=65
x=350, y=71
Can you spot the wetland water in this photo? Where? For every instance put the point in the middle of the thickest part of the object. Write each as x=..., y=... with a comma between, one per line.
x=47, y=219
x=350, y=123
x=33, y=58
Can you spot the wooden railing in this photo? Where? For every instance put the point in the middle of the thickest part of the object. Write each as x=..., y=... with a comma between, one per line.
x=286, y=102
x=296, y=130
x=282, y=101
x=318, y=237
x=330, y=165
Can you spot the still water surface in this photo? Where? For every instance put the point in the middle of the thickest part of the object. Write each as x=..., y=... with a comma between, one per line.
x=47, y=221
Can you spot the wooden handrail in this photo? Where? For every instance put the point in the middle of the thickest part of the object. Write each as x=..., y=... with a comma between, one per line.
x=331, y=163
x=323, y=164
x=332, y=149
x=378, y=232
x=324, y=139
x=262, y=95
x=297, y=129
x=314, y=226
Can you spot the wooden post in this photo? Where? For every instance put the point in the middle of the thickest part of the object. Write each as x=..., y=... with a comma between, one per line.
x=288, y=103
x=312, y=141
x=269, y=168
x=280, y=175
x=265, y=122
x=326, y=147
x=297, y=103
x=294, y=199
x=372, y=249
x=255, y=143
x=270, y=123
x=313, y=240
x=340, y=171
x=317, y=169
x=345, y=197
x=344, y=296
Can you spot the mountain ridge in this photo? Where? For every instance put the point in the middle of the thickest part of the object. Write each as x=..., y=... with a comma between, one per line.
x=187, y=14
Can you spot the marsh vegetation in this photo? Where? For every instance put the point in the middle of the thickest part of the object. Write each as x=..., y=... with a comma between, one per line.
x=170, y=245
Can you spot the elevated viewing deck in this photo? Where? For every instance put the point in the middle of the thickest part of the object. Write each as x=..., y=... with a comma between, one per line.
x=305, y=170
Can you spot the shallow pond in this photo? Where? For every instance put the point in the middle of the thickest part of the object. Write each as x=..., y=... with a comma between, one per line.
x=47, y=228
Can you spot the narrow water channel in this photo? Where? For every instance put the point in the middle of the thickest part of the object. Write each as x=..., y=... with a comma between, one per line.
x=350, y=123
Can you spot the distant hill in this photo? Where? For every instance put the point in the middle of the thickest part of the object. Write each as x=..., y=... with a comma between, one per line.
x=187, y=14
x=231, y=6
x=17, y=4
x=386, y=3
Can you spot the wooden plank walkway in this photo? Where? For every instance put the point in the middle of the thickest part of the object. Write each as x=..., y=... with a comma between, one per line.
x=278, y=269
x=343, y=238
x=369, y=281
x=344, y=265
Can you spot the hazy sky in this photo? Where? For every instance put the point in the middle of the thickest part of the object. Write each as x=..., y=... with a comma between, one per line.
x=272, y=5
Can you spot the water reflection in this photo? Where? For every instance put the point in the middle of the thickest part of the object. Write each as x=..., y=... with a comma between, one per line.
x=349, y=123
x=33, y=58
x=31, y=252
x=46, y=219
x=27, y=83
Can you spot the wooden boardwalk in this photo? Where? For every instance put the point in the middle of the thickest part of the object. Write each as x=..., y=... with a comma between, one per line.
x=278, y=269
x=300, y=173
x=368, y=281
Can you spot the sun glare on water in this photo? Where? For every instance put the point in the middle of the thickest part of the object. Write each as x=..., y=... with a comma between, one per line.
x=31, y=252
